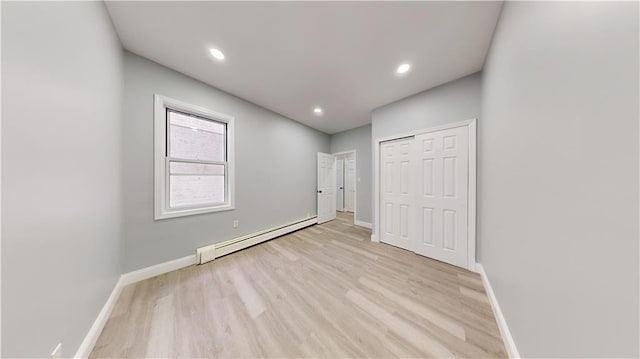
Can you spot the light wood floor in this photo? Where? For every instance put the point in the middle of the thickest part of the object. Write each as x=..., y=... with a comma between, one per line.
x=324, y=291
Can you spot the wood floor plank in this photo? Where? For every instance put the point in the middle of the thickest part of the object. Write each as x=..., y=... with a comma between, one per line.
x=160, y=342
x=427, y=313
x=326, y=291
x=248, y=295
x=402, y=328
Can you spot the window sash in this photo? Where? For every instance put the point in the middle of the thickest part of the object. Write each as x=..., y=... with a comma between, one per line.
x=169, y=159
x=168, y=125
x=167, y=181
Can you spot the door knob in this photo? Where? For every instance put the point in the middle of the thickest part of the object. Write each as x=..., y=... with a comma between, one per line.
x=319, y=191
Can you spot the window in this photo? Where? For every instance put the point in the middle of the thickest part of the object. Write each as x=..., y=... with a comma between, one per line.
x=193, y=159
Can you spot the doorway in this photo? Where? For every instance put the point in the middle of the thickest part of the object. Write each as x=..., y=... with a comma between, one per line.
x=346, y=179
x=337, y=185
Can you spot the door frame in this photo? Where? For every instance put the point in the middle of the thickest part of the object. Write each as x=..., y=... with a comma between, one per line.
x=355, y=200
x=471, y=218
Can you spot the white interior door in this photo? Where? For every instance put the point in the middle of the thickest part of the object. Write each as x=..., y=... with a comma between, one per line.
x=351, y=183
x=442, y=167
x=396, y=193
x=340, y=185
x=326, y=187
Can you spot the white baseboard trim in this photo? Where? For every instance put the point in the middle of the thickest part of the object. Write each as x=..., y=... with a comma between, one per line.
x=374, y=238
x=362, y=224
x=94, y=332
x=158, y=269
x=209, y=253
x=509, y=343
x=128, y=278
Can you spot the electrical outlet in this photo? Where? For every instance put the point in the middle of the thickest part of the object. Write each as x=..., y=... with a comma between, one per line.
x=236, y=223
x=57, y=352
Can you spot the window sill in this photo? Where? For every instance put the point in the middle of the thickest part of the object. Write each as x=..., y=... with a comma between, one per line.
x=193, y=211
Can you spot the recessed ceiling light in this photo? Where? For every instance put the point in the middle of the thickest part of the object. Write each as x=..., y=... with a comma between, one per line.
x=317, y=111
x=216, y=53
x=403, y=68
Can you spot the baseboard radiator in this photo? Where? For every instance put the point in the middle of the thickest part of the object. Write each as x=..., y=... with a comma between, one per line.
x=211, y=252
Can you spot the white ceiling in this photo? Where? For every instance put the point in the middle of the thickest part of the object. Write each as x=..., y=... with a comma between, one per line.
x=291, y=56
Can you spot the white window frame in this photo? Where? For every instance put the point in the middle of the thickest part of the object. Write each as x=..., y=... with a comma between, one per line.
x=161, y=158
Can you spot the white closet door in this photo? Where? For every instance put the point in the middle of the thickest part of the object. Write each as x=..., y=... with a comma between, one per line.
x=396, y=192
x=351, y=184
x=340, y=185
x=326, y=187
x=442, y=167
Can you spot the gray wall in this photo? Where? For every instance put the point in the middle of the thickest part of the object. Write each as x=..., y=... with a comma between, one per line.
x=558, y=184
x=454, y=101
x=359, y=139
x=61, y=179
x=275, y=168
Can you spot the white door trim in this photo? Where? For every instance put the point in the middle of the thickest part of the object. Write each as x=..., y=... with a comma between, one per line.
x=355, y=202
x=471, y=235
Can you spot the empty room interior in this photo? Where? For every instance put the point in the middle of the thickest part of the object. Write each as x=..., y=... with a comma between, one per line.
x=435, y=179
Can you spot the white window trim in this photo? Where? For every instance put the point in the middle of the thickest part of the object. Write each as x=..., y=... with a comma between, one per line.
x=161, y=197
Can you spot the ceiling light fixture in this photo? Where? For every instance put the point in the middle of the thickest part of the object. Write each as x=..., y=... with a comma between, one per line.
x=317, y=111
x=403, y=68
x=216, y=53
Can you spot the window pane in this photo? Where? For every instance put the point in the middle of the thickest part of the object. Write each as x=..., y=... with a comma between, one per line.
x=192, y=184
x=194, y=138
